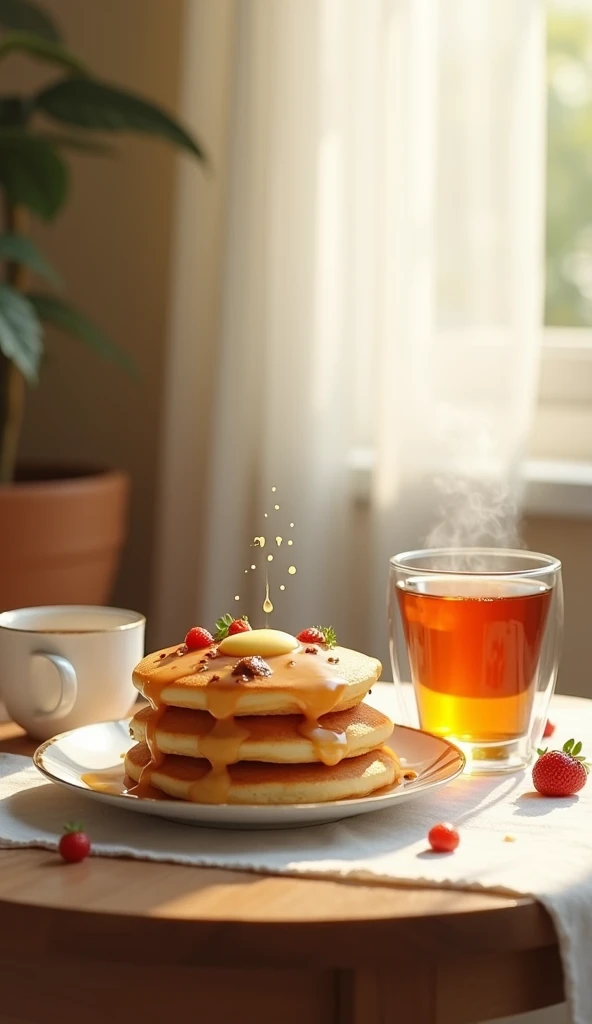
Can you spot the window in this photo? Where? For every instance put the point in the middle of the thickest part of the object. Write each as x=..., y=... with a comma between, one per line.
x=563, y=427
x=569, y=165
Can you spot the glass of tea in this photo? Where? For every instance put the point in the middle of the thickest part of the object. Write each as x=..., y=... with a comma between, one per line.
x=478, y=633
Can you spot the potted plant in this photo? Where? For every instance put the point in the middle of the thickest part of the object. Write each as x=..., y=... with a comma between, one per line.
x=62, y=528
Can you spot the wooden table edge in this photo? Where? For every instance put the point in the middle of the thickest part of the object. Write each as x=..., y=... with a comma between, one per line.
x=215, y=915
x=257, y=916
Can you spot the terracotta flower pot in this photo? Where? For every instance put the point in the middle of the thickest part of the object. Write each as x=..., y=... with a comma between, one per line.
x=62, y=529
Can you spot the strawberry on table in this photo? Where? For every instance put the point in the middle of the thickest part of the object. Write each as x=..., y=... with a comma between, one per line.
x=443, y=838
x=198, y=638
x=560, y=772
x=549, y=729
x=74, y=845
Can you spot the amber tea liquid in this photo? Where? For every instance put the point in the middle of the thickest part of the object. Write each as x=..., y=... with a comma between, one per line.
x=474, y=649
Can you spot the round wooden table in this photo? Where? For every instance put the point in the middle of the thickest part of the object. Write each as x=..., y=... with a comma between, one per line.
x=120, y=940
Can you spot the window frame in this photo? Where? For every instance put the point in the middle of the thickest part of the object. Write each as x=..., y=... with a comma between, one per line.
x=562, y=426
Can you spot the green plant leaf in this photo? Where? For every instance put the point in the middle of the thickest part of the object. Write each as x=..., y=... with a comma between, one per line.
x=20, y=332
x=31, y=173
x=14, y=111
x=20, y=249
x=79, y=143
x=91, y=104
x=53, y=310
x=41, y=49
x=576, y=750
x=21, y=16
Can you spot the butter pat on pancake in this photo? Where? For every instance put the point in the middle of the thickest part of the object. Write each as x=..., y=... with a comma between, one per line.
x=299, y=682
x=271, y=738
x=264, y=642
x=252, y=782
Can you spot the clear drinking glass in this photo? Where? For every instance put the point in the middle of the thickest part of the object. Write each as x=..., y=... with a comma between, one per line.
x=478, y=632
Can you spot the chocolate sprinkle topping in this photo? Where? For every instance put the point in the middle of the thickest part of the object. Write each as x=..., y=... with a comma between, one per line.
x=311, y=650
x=333, y=661
x=248, y=668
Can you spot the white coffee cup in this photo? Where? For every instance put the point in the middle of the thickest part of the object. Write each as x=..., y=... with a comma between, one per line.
x=63, y=666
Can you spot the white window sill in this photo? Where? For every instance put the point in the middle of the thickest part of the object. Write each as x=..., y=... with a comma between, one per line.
x=552, y=487
x=558, y=487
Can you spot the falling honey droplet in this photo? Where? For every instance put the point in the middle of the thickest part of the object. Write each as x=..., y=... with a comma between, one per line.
x=290, y=543
x=237, y=598
x=258, y=542
x=276, y=507
x=265, y=515
x=270, y=558
x=253, y=567
x=291, y=524
x=282, y=587
x=274, y=489
x=267, y=605
x=246, y=570
x=278, y=541
x=292, y=570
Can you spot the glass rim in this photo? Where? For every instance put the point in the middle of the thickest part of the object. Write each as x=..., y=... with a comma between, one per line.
x=405, y=560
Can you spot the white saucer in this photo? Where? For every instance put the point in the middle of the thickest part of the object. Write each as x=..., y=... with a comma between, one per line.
x=66, y=758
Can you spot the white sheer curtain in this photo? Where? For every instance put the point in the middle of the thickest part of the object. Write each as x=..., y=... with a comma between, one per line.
x=377, y=303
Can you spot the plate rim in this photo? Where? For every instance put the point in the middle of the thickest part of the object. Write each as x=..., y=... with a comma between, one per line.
x=129, y=801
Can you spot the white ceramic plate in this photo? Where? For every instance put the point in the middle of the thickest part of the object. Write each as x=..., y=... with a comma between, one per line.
x=65, y=759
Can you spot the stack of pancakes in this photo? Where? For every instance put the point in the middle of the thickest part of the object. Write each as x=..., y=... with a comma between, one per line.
x=259, y=719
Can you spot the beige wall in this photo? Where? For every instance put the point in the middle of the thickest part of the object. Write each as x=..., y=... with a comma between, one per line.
x=112, y=246
x=571, y=541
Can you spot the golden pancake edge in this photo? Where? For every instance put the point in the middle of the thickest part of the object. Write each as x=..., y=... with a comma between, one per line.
x=251, y=782
x=269, y=738
x=300, y=681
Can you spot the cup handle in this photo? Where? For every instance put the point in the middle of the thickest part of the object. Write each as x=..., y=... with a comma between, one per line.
x=68, y=690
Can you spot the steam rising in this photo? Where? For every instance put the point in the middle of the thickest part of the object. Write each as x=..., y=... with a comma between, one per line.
x=475, y=513
x=477, y=496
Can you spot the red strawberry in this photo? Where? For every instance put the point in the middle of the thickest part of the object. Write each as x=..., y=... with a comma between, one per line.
x=198, y=638
x=238, y=626
x=560, y=772
x=227, y=625
x=318, y=635
x=311, y=636
x=549, y=729
x=74, y=844
x=443, y=838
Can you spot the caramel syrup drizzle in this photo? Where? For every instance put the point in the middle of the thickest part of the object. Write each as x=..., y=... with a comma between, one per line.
x=317, y=690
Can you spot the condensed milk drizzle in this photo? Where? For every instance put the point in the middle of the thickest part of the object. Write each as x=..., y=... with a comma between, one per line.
x=311, y=680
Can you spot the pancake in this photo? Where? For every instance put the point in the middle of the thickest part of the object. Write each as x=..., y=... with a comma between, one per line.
x=251, y=782
x=271, y=738
x=300, y=682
